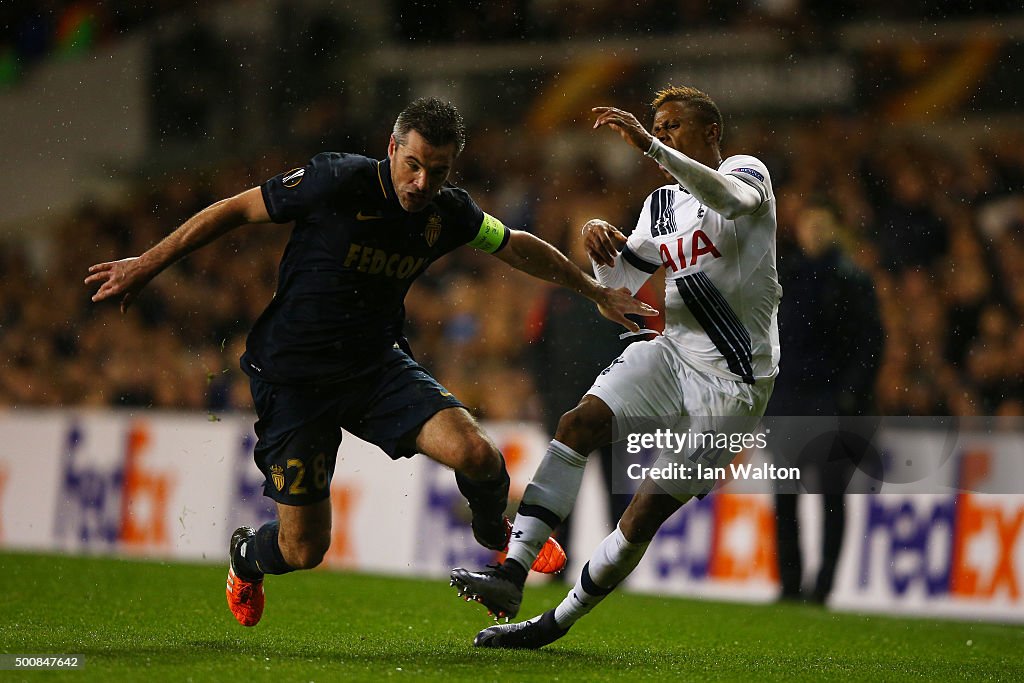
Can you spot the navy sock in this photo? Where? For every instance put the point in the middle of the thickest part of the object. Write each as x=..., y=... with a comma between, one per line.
x=261, y=554
x=487, y=499
x=515, y=571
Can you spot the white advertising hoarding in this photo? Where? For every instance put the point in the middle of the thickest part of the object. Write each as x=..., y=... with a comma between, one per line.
x=174, y=486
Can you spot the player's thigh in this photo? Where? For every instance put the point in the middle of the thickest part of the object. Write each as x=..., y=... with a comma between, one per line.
x=298, y=465
x=709, y=395
x=297, y=442
x=640, y=387
x=302, y=525
x=719, y=420
x=399, y=403
x=453, y=438
x=586, y=427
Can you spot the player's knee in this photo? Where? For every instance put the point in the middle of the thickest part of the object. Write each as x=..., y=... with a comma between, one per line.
x=582, y=429
x=636, y=528
x=479, y=458
x=645, y=515
x=305, y=551
x=311, y=554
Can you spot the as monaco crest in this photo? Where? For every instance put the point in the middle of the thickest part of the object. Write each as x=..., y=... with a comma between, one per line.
x=433, y=230
x=277, y=475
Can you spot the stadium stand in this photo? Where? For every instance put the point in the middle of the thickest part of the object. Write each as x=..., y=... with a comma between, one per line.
x=937, y=223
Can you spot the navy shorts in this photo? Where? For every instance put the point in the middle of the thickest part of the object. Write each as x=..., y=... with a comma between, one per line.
x=299, y=427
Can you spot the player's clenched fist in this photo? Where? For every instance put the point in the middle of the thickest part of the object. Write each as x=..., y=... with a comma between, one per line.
x=603, y=241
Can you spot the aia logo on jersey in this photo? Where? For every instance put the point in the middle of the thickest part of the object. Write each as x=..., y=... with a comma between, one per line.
x=293, y=177
x=433, y=230
x=700, y=244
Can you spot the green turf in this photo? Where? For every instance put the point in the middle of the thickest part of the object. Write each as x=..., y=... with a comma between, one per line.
x=153, y=621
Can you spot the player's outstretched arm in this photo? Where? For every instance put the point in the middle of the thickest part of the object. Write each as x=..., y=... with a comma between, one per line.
x=536, y=257
x=720, y=192
x=127, y=277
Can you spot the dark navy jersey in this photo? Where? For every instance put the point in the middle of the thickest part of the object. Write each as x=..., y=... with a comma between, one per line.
x=352, y=256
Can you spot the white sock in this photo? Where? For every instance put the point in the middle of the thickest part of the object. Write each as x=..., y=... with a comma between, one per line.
x=612, y=562
x=547, y=500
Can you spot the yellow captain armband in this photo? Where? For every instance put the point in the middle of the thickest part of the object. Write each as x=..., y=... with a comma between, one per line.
x=493, y=235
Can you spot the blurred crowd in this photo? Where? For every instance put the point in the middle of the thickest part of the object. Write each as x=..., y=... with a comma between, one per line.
x=939, y=228
x=455, y=21
x=937, y=224
x=31, y=31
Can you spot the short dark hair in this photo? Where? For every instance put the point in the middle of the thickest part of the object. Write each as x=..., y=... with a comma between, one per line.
x=701, y=103
x=439, y=122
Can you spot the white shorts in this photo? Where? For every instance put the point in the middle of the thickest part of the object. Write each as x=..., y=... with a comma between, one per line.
x=653, y=385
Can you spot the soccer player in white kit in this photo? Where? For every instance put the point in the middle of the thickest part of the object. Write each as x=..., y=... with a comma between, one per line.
x=713, y=231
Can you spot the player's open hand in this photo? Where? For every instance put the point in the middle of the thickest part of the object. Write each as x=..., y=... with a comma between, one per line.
x=615, y=304
x=603, y=241
x=124, y=278
x=626, y=125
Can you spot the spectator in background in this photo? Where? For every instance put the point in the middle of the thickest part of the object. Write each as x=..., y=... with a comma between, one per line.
x=911, y=233
x=830, y=329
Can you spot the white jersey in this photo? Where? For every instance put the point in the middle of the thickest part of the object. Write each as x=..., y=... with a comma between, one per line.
x=721, y=287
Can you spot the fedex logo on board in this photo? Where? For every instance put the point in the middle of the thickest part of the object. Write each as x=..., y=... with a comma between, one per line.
x=961, y=545
x=445, y=537
x=742, y=533
x=113, y=500
x=444, y=532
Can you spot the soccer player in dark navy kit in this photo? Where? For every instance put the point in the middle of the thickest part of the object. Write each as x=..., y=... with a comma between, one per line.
x=328, y=351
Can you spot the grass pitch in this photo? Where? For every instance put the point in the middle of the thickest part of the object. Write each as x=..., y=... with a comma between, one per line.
x=155, y=622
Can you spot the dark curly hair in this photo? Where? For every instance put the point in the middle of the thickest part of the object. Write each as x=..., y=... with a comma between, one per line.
x=699, y=101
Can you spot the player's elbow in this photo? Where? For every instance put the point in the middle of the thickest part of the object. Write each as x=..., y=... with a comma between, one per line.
x=516, y=252
x=735, y=210
x=245, y=207
x=735, y=207
x=732, y=213
x=734, y=199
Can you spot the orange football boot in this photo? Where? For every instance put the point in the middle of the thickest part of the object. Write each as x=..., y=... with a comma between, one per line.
x=551, y=558
x=245, y=598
